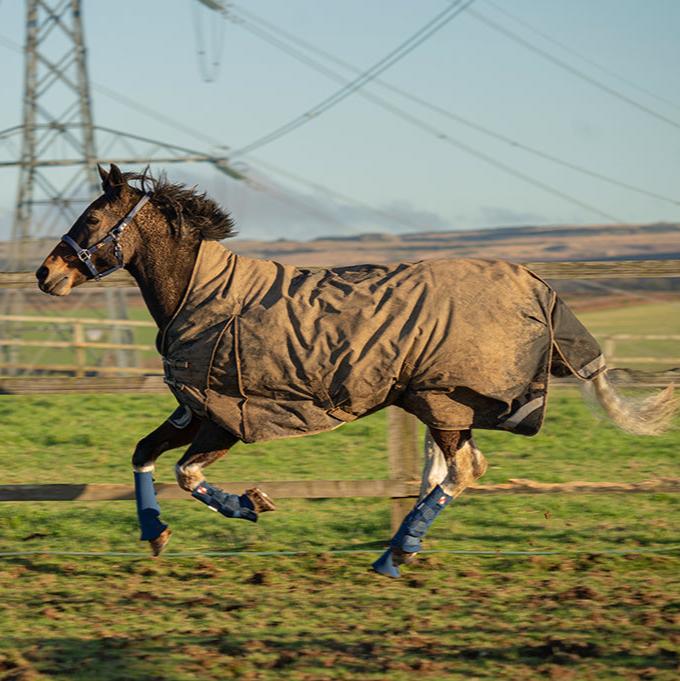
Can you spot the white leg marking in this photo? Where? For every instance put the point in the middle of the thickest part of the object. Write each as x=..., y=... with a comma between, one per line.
x=435, y=469
x=189, y=476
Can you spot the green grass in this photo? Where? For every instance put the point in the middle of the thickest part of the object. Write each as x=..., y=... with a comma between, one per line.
x=90, y=438
x=319, y=616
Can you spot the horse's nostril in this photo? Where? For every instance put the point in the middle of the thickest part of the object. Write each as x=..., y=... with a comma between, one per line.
x=41, y=273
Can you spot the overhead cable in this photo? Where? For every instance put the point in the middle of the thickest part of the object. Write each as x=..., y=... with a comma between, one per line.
x=396, y=55
x=258, y=162
x=571, y=69
x=580, y=55
x=445, y=138
x=268, y=31
x=260, y=184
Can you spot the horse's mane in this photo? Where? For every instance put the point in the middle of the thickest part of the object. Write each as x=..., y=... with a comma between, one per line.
x=185, y=207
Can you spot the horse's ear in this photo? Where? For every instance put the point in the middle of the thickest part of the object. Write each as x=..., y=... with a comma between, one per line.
x=115, y=178
x=104, y=175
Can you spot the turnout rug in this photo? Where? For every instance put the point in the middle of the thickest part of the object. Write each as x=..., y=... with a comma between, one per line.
x=269, y=350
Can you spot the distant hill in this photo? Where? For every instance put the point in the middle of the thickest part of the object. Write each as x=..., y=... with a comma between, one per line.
x=519, y=244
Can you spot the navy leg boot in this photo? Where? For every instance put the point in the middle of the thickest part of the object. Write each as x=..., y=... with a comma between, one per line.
x=412, y=530
x=229, y=505
x=148, y=510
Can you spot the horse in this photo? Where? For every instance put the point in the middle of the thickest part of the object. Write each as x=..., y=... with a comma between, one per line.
x=256, y=350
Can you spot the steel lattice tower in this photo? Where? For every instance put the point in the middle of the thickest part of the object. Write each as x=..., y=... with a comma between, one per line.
x=57, y=174
x=57, y=164
x=54, y=63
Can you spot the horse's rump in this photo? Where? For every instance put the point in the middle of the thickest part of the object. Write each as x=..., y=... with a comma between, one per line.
x=270, y=350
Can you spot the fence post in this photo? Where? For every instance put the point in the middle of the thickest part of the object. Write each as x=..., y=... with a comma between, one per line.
x=404, y=457
x=78, y=340
x=608, y=349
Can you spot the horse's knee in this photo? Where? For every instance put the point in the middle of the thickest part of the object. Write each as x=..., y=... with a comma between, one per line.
x=143, y=458
x=188, y=476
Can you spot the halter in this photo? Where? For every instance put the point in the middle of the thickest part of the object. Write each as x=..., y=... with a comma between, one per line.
x=112, y=236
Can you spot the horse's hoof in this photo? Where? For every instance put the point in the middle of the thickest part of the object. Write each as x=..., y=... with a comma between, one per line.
x=261, y=500
x=160, y=542
x=385, y=565
x=403, y=557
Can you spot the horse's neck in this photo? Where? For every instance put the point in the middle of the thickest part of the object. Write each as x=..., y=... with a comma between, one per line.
x=162, y=271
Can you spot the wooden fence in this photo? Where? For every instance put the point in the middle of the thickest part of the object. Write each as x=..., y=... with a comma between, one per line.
x=403, y=451
x=81, y=341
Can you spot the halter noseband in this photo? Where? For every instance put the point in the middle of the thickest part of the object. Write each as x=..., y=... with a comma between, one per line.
x=112, y=236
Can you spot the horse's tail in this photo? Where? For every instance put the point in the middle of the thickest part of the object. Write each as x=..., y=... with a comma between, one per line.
x=651, y=415
x=577, y=352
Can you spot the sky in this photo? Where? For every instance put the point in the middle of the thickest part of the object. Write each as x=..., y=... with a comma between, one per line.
x=393, y=174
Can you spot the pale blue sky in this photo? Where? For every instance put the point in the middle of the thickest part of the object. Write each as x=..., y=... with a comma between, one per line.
x=147, y=50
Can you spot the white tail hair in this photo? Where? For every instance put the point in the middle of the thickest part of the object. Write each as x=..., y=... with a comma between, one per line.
x=651, y=415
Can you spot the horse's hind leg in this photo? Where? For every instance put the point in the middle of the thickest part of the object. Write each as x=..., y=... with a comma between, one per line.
x=464, y=463
x=212, y=443
x=435, y=467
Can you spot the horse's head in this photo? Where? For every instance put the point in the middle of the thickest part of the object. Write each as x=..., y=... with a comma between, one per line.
x=99, y=242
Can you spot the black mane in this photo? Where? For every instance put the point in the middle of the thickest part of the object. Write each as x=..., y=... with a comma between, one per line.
x=184, y=207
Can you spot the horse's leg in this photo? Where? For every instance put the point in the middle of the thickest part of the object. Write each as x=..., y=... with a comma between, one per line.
x=178, y=430
x=434, y=466
x=464, y=464
x=211, y=443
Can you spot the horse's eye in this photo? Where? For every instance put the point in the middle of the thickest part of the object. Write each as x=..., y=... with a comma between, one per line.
x=92, y=220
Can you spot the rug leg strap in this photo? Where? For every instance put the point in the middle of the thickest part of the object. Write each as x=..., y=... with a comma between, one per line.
x=229, y=505
x=148, y=510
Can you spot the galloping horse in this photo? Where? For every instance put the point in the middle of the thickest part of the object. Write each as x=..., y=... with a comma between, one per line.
x=255, y=350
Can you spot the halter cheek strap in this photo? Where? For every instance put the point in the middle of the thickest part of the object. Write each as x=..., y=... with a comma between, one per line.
x=113, y=236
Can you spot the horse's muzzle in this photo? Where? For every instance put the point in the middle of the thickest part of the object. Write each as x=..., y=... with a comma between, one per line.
x=55, y=283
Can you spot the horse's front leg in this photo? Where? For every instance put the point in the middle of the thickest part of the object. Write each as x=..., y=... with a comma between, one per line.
x=210, y=444
x=178, y=430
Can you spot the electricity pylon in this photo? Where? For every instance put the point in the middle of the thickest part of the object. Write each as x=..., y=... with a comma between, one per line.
x=57, y=165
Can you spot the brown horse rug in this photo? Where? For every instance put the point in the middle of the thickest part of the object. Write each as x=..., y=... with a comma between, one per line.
x=270, y=351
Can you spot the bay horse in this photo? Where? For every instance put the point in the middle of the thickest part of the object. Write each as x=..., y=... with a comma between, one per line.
x=255, y=350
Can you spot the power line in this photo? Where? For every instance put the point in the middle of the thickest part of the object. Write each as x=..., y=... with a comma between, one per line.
x=462, y=146
x=266, y=35
x=397, y=54
x=581, y=56
x=571, y=69
x=393, y=109
x=260, y=184
x=126, y=101
x=208, y=66
x=333, y=193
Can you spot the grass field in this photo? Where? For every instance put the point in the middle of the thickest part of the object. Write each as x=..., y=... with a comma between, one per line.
x=322, y=615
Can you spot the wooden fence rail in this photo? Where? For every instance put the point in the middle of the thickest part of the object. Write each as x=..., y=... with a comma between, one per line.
x=403, y=457
x=80, y=343
x=328, y=489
